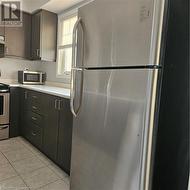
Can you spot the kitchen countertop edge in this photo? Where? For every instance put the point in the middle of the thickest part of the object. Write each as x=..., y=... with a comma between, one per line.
x=51, y=90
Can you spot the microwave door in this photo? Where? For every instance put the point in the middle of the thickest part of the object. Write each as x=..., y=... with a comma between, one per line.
x=31, y=78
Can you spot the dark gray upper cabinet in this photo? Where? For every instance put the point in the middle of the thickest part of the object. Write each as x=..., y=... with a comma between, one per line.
x=44, y=36
x=35, y=53
x=18, y=39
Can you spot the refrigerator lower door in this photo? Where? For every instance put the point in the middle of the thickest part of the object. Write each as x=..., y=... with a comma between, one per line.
x=113, y=129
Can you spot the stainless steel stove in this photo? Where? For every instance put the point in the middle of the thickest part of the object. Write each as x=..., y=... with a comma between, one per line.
x=4, y=111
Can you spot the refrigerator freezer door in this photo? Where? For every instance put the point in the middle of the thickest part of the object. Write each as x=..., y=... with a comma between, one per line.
x=121, y=33
x=110, y=130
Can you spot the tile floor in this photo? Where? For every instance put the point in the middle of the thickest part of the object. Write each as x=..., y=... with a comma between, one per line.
x=23, y=167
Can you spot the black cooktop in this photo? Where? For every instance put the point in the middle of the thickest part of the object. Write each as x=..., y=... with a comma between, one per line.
x=4, y=87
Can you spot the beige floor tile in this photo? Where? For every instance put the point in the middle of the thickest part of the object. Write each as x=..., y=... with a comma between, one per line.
x=59, y=172
x=3, y=160
x=39, y=178
x=10, y=145
x=17, y=155
x=15, y=183
x=7, y=141
x=34, y=167
x=20, y=139
x=28, y=165
x=7, y=171
x=58, y=185
x=17, y=138
x=66, y=179
x=44, y=159
x=31, y=148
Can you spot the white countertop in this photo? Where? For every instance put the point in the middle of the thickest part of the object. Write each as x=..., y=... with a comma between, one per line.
x=56, y=91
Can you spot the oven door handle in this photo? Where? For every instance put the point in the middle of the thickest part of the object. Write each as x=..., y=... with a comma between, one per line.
x=5, y=104
x=3, y=128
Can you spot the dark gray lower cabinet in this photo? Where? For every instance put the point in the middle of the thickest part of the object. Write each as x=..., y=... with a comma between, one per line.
x=51, y=121
x=46, y=121
x=65, y=136
x=14, y=112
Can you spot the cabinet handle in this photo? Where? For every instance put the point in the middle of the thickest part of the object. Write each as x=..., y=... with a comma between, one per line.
x=35, y=97
x=3, y=128
x=38, y=52
x=25, y=95
x=34, y=107
x=60, y=104
x=34, y=119
x=34, y=134
x=56, y=104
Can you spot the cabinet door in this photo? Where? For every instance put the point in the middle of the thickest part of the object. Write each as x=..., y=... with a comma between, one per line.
x=24, y=112
x=36, y=24
x=22, y=115
x=18, y=39
x=49, y=36
x=50, y=127
x=26, y=127
x=65, y=136
x=14, y=112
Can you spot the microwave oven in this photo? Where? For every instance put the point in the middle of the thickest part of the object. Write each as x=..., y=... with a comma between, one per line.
x=31, y=77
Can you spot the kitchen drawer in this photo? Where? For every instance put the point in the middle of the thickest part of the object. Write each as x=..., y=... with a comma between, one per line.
x=35, y=97
x=31, y=101
x=36, y=135
x=37, y=119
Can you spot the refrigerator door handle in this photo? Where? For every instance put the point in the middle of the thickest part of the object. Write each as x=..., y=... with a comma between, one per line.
x=75, y=69
x=72, y=93
x=74, y=43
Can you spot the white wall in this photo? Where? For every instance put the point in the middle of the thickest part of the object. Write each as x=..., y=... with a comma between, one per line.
x=9, y=68
x=50, y=69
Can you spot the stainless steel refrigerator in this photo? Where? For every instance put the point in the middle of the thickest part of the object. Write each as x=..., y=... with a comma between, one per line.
x=114, y=89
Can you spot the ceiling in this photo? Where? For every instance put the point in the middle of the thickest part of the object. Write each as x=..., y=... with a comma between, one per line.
x=56, y=6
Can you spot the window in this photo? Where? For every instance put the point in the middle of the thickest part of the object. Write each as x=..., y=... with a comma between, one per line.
x=64, y=53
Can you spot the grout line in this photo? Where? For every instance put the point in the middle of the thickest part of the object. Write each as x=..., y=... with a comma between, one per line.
x=16, y=172
x=16, y=160
x=47, y=184
x=48, y=166
x=36, y=156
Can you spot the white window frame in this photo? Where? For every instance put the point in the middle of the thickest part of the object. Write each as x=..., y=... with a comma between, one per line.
x=62, y=17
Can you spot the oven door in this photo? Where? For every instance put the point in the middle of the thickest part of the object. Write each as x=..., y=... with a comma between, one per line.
x=4, y=108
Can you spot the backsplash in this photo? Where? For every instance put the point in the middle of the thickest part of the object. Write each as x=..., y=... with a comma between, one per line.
x=50, y=69
x=9, y=69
